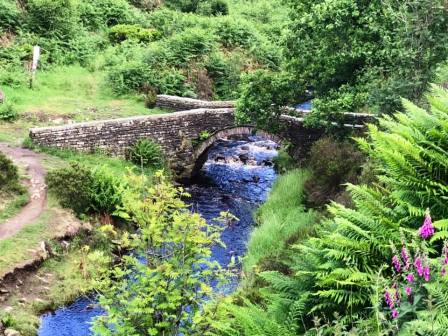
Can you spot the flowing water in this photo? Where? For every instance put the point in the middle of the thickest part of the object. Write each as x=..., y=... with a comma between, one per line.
x=236, y=178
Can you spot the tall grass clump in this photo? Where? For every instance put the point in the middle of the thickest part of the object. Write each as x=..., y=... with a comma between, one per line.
x=283, y=219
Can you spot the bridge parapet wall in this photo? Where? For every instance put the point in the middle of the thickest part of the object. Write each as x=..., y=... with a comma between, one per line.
x=175, y=133
x=181, y=103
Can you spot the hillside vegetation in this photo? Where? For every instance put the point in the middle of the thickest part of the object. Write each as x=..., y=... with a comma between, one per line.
x=187, y=48
x=352, y=242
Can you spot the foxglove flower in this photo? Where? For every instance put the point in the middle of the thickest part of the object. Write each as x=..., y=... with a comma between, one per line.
x=394, y=314
x=396, y=263
x=408, y=291
x=418, y=266
x=410, y=277
x=388, y=299
x=426, y=273
x=427, y=229
x=405, y=258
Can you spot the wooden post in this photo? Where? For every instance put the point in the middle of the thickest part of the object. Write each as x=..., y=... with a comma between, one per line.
x=36, y=56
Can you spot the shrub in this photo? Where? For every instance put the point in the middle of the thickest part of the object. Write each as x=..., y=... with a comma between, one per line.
x=9, y=175
x=105, y=191
x=225, y=72
x=332, y=163
x=213, y=8
x=71, y=185
x=146, y=5
x=130, y=76
x=107, y=13
x=8, y=112
x=146, y=153
x=184, y=5
x=178, y=275
x=9, y=15
x=189, y=45
x=149, y=96
x=54, y=18
x=122, y=32
x=263, y=96
x=84, y=190
x=234, y=33
x=82, y=48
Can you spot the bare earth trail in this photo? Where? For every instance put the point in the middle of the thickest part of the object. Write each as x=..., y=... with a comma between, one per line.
x=35, y=184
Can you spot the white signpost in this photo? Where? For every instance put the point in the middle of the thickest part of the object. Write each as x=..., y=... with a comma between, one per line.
x=36, y=56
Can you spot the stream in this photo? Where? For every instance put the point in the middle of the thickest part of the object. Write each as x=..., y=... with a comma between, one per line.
x=236, y=178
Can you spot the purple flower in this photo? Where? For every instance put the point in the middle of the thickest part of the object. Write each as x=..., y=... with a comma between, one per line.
x=394, y=313
x=388, y=299
x=408, y=291
x=396, y=263
x=427, y=229
x=426, y=273
x=410, y=277
x=418, y=266
x=405, y=257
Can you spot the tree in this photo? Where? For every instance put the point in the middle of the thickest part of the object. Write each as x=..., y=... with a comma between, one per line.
x=160, y=288
x=337, y=271
x=263, y=96
x=361, y=55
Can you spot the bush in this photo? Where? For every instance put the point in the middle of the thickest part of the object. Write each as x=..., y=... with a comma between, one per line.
x=97, y=14
x=9, y=175
x=9, y=15
x=71, y=185
x=213, y=8
x=83, y=190
x=130, y=76
x=234, y=33
x=146, y=153
x=53, y=18
x=189, y=45
x=332, y=163
x=225, y=72
x=146, y=5
x=122, y=32
x=105, y=191
x=263, y=96
x=189, y=6
x=8, y=112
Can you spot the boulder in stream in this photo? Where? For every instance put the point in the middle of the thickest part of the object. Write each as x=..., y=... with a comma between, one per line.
x=12, y=332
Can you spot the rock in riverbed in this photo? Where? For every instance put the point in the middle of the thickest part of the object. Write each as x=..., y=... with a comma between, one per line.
x=12, y=332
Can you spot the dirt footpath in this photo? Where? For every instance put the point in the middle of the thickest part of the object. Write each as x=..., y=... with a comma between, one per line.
x=35, y=183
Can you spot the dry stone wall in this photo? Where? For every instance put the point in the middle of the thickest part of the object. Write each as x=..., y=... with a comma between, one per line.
x=181, y=104
x=175, y=132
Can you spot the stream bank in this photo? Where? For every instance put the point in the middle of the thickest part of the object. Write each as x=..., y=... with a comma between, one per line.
x=236, y=178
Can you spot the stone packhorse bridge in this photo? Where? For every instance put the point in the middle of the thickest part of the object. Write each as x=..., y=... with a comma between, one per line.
x=176, y=132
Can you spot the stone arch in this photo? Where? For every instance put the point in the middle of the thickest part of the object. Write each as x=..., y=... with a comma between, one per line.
x=201, y=152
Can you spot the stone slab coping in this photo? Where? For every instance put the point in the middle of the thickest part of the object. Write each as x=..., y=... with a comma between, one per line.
x=171, y=115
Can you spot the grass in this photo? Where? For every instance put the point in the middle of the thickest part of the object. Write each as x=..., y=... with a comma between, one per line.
x=117, y=165
x=63, y=94
x=282, y=220
x=12, y=205
x=75, y=92
x=17, y=249
x=70, y=276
